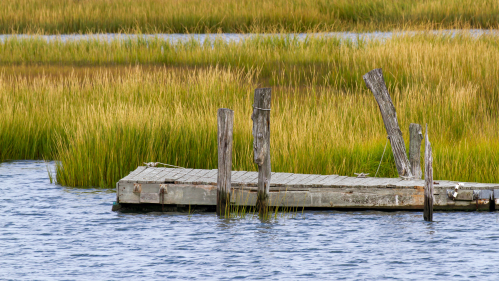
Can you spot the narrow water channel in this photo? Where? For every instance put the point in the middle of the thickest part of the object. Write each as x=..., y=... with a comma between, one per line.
x=237, y=37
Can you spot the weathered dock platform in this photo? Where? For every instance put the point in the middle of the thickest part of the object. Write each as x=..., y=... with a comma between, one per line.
x=197, y=187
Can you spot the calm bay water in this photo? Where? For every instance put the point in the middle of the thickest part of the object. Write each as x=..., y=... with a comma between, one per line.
x=51, y=232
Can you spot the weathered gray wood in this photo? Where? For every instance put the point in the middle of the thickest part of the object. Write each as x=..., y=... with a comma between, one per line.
x=462, y=195
x=308, y=180
x=144, y=176
x=236, y=177
x=485, y=194
x=291, y=179
x=376, y=83
x=284, y=179
x=350, y=181
x=161, y=174
x=172, y=176
x=346, y=181
x=133, y=177
x=250, y=178
x=159, y=177
x=409, y=183
x=261, y=146
x=225, y=127
x=333, y=180
x=205, y=173
x=317, y=181
x=153, y=174
x=186, y=194
x=132, y=174
x=342, y=192
x=279, y=177
x=192, y=176
x=376, y=182
x=327, y=179
x=428, y=176
x=181, y=175
x=209, y=178
x=237, y=174
x=392, y=181
x=416, y=136
x=297, y=178
x=449, y=184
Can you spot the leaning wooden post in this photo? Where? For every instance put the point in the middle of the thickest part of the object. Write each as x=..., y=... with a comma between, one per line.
x=375, y=82
x=225, y=125
x=428, y=180
x=261, y=146
x=416, y=133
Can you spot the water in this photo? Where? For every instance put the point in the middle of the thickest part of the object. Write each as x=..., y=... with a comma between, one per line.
x=49, y=231
x=237, y=37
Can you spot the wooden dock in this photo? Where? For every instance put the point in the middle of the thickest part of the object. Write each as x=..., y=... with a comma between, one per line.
x=179, y=187
x=173, y=187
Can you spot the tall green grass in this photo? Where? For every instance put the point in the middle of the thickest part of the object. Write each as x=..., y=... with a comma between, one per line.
x=201, y=16
x=100, y=123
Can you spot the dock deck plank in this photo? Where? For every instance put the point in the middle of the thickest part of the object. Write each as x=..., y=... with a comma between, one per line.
x=306, y=181
x=184, y=174
x=196, y=176
x=144, y=176
x=133, y=174
x=141, y=173
x=210, y=178
x=161, y=174
x=296, y=179
x=251, y=178
x=333, y=180
x=281, y=178
x=237, y=176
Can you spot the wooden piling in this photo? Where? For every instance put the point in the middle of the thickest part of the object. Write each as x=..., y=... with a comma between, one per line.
x=376, y=83
x=428, y=180
x=225, y=127
x=261, y=146
x=416, y=136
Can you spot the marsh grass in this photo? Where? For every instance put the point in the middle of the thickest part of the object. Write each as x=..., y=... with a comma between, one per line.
x=199, y=16
x=283, y=61
x=273, y=212
x=102, y=122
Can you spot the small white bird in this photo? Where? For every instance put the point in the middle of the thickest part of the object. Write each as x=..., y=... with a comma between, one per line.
x=456, y=188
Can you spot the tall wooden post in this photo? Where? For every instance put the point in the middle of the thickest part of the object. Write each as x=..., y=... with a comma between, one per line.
x=376, y=83
x=225, y=126
x=428, y=180
x=261, y=146
x=416, y=136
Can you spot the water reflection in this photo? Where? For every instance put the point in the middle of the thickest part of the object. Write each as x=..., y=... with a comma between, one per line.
x=430, y=228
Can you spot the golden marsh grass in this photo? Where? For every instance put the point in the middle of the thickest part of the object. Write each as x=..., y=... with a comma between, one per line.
x=201, y=16
x=101, y=122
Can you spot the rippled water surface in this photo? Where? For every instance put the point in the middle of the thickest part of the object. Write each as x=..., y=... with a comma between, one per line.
x=49, y=231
